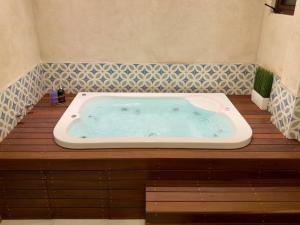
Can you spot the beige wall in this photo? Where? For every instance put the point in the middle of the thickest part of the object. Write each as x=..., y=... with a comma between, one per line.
x=191, y=31
x=186, y=31
x=18, y=42
x=279, y=48
x=291, y=71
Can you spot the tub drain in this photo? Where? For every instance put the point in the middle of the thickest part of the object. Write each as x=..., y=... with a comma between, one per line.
x=152, y=134
x=197, y=113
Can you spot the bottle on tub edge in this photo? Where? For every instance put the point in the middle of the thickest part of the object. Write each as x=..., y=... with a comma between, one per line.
x=53, y=97
x=61, y=95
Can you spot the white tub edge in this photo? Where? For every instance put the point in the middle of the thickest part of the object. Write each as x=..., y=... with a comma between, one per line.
x=241, y=139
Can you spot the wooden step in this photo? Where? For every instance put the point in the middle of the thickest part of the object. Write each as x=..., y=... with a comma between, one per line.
x=222, y=205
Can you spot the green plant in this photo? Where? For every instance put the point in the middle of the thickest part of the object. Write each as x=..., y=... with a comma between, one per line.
x=263, y=82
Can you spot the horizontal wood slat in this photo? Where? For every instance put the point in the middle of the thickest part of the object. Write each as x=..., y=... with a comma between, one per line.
x=180, y=205
x=224, y=207
x=250, y=196
x=39, y=179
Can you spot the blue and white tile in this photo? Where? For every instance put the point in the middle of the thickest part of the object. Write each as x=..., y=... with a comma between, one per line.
x=15, y=100
x=282, y=108
x=294, y=128
x=232, y=79
x=113, y=77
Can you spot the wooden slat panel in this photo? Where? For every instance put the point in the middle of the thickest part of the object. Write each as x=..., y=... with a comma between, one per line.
x=27, y=194
x=79, y=213
x=126, y=184
x=25, y=184
x=16, y=135
x=224, y=207
x=84, y=178
x=79, y=203
x=223, y=196
x=199, y=197
x=127, y=194
x=76, y=185
x=211, y=173
x=76, y=175
x=28, y=213
x=222, y=204
x=27, y=203
x=246, y=182
x=78, y=194
x=127, y=213
x=125, y=203
x=232, y=219
x=288, y=174
x=223, y=189
x=22, y=175
x=127, y=175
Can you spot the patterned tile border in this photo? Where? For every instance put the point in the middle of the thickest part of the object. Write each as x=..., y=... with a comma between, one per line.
x=285, y=110
x=112, y=77
x=294, y=129
x=232, y=79
x=17, y=99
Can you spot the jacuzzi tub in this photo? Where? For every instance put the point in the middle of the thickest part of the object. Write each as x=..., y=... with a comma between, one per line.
x=152, y=120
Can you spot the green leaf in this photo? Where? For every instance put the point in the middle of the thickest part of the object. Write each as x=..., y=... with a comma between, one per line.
x=263, y=82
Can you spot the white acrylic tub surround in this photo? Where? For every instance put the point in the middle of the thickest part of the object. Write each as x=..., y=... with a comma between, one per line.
x=214, y=102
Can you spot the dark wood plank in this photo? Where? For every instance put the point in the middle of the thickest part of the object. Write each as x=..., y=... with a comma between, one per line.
x=78, y=194
x=224, y=196
x=79, y=213
x=79, y=203
x=222, y=204
x=224, y=207
x=27, y=203
x=110, y=183
x=27, y=213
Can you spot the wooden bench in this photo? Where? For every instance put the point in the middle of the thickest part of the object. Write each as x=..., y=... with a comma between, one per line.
x=223, y=205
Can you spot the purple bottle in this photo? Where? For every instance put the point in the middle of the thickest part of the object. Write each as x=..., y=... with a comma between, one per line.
x=53, y=97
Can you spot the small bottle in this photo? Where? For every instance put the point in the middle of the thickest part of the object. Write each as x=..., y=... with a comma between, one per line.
x=61, y=95
x=53, y=97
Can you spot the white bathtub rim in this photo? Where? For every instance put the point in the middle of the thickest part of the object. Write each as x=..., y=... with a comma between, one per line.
x=241, y=138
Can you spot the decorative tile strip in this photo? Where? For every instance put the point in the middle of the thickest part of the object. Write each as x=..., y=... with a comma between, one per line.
x=232, y=79
x=112, y=77
x=294, y=129
x=285, y=110
x=18, y=98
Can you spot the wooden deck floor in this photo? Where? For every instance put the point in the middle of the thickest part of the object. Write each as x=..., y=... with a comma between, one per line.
x=33, y=138
x=39, y=179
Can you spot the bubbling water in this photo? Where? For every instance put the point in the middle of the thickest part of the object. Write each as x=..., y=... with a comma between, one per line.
x=113, y=117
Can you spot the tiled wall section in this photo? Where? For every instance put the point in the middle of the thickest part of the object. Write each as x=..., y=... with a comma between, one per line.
x=230, y=79
x=285, y=110
x=294, y=130
x=18, y=99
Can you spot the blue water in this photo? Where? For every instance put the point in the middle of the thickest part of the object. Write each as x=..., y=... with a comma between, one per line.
x=148, y=117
